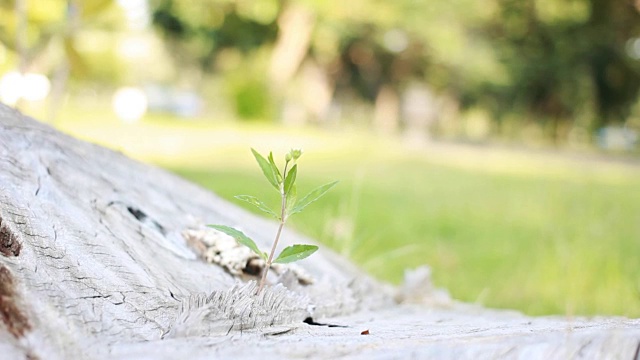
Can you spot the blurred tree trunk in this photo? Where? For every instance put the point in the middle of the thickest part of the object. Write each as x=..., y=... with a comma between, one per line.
x=295, y=26
x=21, y=40
x=387, y=111
x=62, y=72
x=21, y=35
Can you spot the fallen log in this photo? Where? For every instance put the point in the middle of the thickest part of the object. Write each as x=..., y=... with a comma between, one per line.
x=103, y=257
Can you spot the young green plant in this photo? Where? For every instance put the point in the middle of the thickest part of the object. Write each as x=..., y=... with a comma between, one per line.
x=285, y=183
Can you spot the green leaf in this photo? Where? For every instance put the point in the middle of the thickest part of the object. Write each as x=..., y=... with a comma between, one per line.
x=267, y=169
x=240, y=238
x=275, y=167
x=295, y=253
x=257, y=203
x=291, y=179
x=311, y=197
x=292, y=196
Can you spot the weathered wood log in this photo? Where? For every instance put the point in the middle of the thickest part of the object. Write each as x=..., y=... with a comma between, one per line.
x=97, y=261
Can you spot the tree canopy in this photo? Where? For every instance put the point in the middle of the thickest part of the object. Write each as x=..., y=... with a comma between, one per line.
x=557, y=64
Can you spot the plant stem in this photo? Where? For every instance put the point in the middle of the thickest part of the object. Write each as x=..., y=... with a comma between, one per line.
x=268, y=265
x=275, y=242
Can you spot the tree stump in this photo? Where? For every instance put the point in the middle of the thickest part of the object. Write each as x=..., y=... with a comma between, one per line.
x=95, y=264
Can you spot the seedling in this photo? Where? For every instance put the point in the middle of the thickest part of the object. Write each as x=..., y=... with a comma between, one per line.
x=285, y=183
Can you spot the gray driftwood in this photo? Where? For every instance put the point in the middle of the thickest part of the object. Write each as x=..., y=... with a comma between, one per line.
x=95, y=264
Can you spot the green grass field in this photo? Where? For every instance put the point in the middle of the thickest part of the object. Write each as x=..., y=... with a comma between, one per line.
x=541, y=245
x=527, y=230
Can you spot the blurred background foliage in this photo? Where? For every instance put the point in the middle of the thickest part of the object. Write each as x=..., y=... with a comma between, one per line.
x=417, y=105
x=534, y=71
x=566, y=68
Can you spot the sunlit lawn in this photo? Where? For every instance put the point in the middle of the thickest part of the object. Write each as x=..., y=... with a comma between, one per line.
x=537, y=244
x=521, y=230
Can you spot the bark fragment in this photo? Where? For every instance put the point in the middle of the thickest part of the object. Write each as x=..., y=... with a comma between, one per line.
x=9, y=244
x=12, y=317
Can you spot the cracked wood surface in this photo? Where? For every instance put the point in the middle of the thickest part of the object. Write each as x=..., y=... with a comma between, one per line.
x=93, y=265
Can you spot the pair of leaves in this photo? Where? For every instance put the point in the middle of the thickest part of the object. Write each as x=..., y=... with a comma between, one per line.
x=291, y=204
x=269, y=169
x=289, y=254
x=273, y=175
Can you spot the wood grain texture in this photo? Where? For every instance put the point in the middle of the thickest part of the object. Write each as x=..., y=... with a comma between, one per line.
x=94, y=266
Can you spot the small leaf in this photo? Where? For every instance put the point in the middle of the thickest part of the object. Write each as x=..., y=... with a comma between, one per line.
x=291, y=179
x=257, y=203
x=267, y=169
x=311, y=197
x=295, y=253
x=292, y=196
x=240, y=237
x=274, y=167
